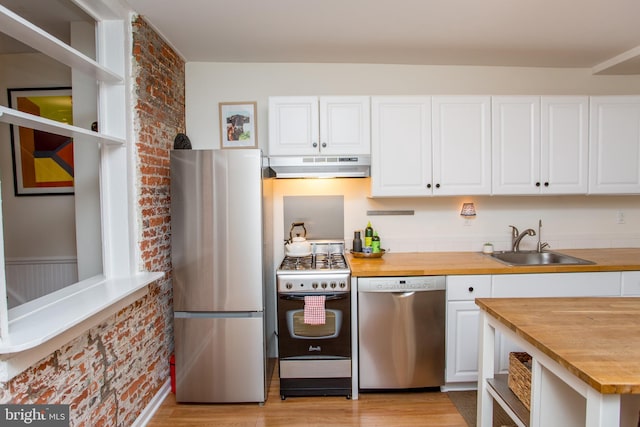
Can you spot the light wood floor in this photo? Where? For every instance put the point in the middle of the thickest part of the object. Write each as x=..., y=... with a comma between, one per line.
x=371, y=409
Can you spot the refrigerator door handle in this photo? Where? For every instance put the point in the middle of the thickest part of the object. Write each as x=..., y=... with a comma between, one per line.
x=216, y=315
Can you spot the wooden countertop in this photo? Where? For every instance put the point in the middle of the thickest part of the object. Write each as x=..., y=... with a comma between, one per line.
x=461, y=263
x=596, y=339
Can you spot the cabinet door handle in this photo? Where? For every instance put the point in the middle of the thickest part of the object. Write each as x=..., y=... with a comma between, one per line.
x=437, y=185
x=546, y=184
x=324, y=145
x=470, y=288
x=537, y=184
x=428, y=185
x=315, y=145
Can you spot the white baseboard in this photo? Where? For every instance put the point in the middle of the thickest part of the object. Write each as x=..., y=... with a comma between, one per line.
x=459, y=386
x=149, y=411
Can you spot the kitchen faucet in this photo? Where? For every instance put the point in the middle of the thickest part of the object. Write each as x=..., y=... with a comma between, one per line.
x=516, y=237
x=541, y=245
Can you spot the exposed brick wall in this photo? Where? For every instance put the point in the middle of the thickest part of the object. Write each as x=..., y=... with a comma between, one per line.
x=109, y=374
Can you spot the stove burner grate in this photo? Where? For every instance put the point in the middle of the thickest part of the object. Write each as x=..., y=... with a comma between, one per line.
x=325, y=257
x=297, y=263
x=330, y=261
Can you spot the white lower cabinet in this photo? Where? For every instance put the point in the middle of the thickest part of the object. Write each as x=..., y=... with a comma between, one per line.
x=631, y=283
x=462, y=326
x=463, y=313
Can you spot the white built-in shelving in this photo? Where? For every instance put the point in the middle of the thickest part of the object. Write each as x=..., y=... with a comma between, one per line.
x=26, y=32
x=37, y=328
x=31, y=121
x=34, y=36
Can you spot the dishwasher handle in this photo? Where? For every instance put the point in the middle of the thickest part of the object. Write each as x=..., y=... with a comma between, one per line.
x=402, y=284
x=404, y=294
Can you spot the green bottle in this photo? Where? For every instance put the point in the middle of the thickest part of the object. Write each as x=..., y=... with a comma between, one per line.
x=375, y=243
x=368, y=235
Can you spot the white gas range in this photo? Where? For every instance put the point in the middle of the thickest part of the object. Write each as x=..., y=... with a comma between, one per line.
x=315, y=357
x=324, y=270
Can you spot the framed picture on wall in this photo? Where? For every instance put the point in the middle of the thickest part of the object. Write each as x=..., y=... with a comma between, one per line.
x=42, y=161
x=238, y=125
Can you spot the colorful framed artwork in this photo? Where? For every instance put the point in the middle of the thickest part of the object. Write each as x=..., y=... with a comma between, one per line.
x=238, y=126
x=42, y=161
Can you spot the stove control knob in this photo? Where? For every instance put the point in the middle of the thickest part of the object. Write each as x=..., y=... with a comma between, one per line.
x=289, y=285
x=343, y=285
x=324, y=285
x=333, y=285
x=314, y=285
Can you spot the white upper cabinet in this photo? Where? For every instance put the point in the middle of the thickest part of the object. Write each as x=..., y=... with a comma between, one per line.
x=311, y=125
x=345, y=125
x=293, y=125
x=401, y=146
x=461, y=145
x=516, y=144
x=564, y=144
x=614, y=145
x=430, y=146
x=539, y=144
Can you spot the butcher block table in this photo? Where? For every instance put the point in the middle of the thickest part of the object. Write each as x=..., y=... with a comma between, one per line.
x=585, y=360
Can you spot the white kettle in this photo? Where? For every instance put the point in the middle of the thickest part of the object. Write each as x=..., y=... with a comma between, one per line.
x=298, y=245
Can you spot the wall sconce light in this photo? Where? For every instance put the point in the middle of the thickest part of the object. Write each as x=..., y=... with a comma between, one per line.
x=468, y=210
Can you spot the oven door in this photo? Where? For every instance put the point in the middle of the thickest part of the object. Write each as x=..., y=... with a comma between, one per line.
x=297, y=339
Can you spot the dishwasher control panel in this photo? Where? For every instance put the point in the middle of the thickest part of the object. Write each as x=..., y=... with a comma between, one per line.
x=401, y=284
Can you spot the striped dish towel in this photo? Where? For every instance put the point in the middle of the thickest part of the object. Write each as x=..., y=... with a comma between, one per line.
x=314, y=313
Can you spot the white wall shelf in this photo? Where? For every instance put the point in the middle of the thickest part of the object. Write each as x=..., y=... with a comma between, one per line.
x=29, y=34
x=31, y=121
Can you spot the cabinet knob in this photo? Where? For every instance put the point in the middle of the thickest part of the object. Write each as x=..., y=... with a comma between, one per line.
x=315, y=145
x=428, y=185
x=546, y=184
x=324, y=145
x=537, y=184
x=437, y=185
x=470, y=288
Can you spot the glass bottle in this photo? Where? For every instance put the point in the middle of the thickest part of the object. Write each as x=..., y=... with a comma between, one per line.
x=375, y=243
x=368, y=234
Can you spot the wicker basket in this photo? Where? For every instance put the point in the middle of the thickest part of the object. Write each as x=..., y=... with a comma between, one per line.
x=520, y=377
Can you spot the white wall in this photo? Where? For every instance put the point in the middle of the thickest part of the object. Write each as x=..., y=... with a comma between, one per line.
x=34, y=226
x=575, y=221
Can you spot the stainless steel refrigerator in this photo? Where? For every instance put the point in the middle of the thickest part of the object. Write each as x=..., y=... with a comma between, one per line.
x=220, y=248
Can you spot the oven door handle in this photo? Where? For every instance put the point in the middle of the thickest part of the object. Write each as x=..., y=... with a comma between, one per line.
x=331, y=297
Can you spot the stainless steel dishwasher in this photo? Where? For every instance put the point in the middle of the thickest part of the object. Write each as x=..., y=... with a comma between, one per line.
x=401, y=328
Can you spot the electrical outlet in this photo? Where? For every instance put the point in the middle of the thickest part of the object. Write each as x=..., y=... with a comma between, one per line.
x=619, y=217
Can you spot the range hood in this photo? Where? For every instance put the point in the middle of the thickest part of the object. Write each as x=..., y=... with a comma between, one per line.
x=320, y=166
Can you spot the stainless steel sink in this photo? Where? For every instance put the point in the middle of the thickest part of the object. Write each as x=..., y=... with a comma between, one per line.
x=537, y=258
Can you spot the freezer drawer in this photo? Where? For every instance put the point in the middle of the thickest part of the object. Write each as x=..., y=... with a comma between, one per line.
x=219, y=360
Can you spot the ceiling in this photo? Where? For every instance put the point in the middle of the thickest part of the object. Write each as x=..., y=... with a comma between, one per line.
x=603, y=35
x=545, y=33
